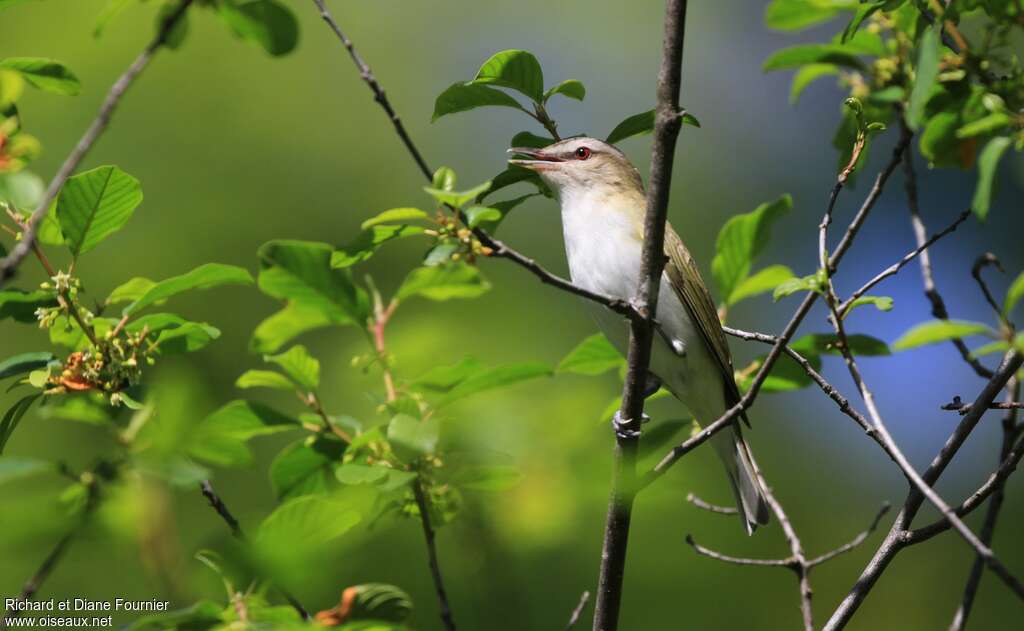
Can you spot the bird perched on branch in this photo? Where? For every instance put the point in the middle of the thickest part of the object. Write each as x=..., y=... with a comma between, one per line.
x=603, y=207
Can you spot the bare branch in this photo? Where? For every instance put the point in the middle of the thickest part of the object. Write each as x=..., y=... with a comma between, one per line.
x=893, y=269
x=985, y=260
x=853, y=543
x=9, y=264
x=718, y=556
x=435, y=566
x=711, y=508
x=963, y=408
x=578, y=611
x=667, y=123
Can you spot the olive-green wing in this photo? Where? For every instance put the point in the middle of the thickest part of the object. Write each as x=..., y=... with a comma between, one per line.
x=693, y=293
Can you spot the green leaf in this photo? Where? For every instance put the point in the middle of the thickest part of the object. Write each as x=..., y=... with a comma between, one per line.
x=444, y=179
x=739, y=242
x=21, y=305
x=821, y=343
x=996, y=121
x=25, y=363
x=13, y=417
x=130, y=291
x=267, y=23
x=491, y=378
x=796, y=56
x=306, y=522
x=305, y=467
x=45, y=74
x=457, y=198
x=988, y=163
x=176, y=37
x=443, y=282
x=785, y=375
x=808, y=74
x=201, y=615
x=528, y=139
x=462, y=97
x=488, y=478
x=570, y=88
x=635, y=125
x=412, y=438
x=502, y=208
x=95, y=204
x=301, y=271
x=352, y=473
x=514, y=175
x=291, y=321
x=378, y=602
x=113, y=9
x=220, y=438
x=476, y=215
x=863, y=12
x=1014, y=294
x=395, y=215
x=939, y=143
x=23, y=190
x=927, y=73
x=515, y=69
x=182, y=336
x=366, y=244
x=999, y=346
x=762, y=281
x=937, y=331
x=205, y=276
x=444, y=378
x=593, y=356
x=299, y=365
x=264, y=379
x=811, y=282
x=794, y=15
x=882, y=303
x=18, y=468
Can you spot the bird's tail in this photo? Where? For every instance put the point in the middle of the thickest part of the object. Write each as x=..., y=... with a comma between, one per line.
x=746, y=485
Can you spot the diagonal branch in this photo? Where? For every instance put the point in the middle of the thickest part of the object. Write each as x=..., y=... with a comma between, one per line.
x=667, y=123
x=9, y=264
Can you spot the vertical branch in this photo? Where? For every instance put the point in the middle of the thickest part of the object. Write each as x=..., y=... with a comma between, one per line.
x=666, y=131
x=435, y=566
x=9, y=264
x=992, y=514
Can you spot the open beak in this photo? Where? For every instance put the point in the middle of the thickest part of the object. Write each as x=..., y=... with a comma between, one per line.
x=536, y=160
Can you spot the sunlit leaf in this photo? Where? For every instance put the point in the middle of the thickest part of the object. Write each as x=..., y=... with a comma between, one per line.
x=293, y=320
x=443, y=282
x=497, y=377
x=130, y=291
x=937, y=331
x=45, y=74
x=811, y=282
x=395, y=215
x=882, y=303
x=570, y=88
x=305, y=523
x=593, y=356
x=821, y=343
x=299, y=365
x=220, y=438
x=796, y=56
x=457, y=198
x=996, y=121
x=927, y=72
x=264, y=379
x=462, y=97
x=1014, y=294
x=807, y=75
x=366, y=244
x=739, y=242
x=300, y=271
x=998, y=346
x=515, y=69
x=95, y=204
x=760, y=282
x=412, y=438
x=793, y=15
x=306, y=466
x=205, y=276
x=267, y=23
x=988, y=163
x=476, y=215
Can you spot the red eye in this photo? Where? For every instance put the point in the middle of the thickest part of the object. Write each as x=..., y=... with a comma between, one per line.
x=582, y=153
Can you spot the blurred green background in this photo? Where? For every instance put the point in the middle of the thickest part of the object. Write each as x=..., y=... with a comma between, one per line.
x=235, y=148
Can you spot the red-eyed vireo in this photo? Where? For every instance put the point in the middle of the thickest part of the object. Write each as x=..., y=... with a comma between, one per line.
x=603, y=206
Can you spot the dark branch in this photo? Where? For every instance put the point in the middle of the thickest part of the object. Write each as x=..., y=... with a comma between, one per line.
x=9, y=264
x=435, y=566
x=985, y=260
x=32, y=585
x=963, y=408
x=853, y=543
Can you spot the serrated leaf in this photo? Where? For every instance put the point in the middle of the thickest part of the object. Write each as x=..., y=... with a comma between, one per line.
x=807, y=75
x=305, y=467
x=593, y=356
x=220, y=438
x=444, y=282
x=205, y=276
x=45, y=74
x=412, y=438
x=457, y=198
x=988, y=164
x=395, y=215
x=366, y=244
x=299, y=365
x=1014, y=294
x=927, y=73
x=462, y=97
x=300, y=271
x=264, y=379
x=13, y=417
x=515, y=69
x=739, y=242
x=25, y=363
x=267, y=23
x=937, y=331
x=762, y=281
x=796, y=56
x=570, y=88
x=95, y=204
x=17, y=468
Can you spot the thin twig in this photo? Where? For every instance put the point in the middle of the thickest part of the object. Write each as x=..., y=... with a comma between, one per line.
x=930, y=290
x=853, y=543
x=988, y=529
x=963, y=408
x=711, y=508
x=718, y=556
x=578, y=611
x=985, y=260
x=218, y=505
x=435, y=566
x=33, y=584
x=897, y=266
x=667, y=123
x=9, y=264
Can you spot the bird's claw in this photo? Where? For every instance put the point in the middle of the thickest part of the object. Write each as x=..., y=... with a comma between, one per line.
x=622, y=426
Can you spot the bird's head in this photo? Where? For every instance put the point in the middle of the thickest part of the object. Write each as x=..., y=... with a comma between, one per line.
x=581, y=165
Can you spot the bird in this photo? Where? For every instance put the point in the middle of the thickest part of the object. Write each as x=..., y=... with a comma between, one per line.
x=603, y=204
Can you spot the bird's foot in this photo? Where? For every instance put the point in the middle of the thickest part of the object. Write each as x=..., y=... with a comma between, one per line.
x=622, y=426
